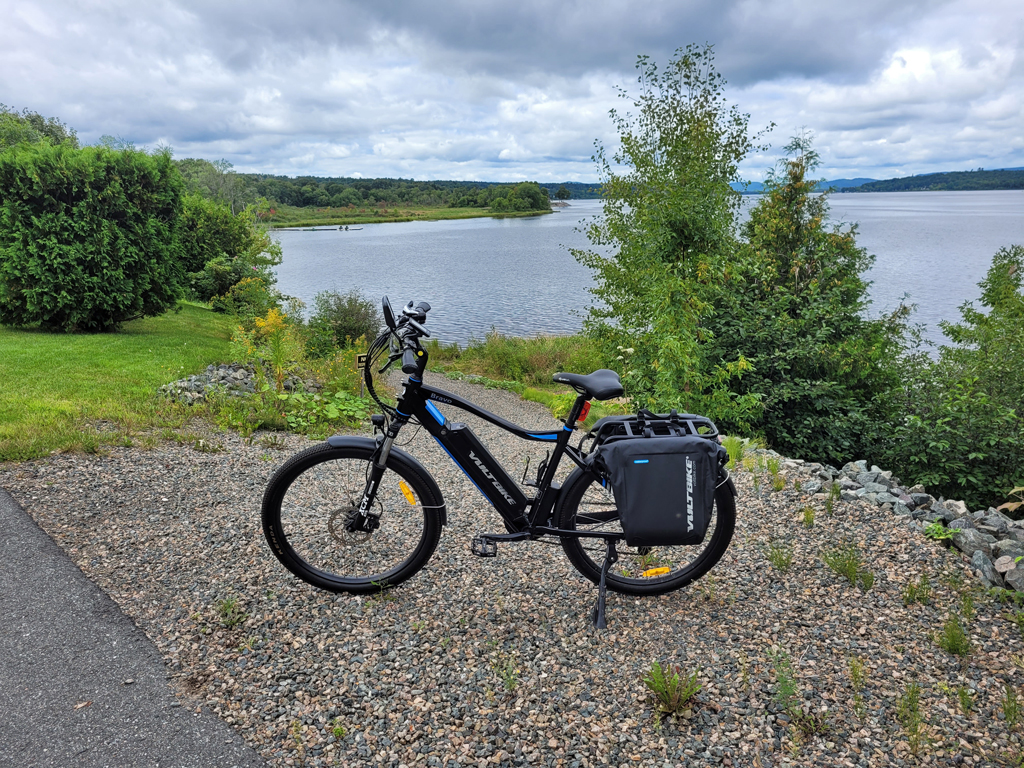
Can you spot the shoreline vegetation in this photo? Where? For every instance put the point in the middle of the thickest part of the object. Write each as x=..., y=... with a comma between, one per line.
x=290, y=217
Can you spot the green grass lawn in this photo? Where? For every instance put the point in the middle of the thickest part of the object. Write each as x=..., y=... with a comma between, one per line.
x=57, y=387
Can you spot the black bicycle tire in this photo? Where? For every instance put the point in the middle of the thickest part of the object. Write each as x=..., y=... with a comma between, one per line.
x=725, y=523
x=277, y=539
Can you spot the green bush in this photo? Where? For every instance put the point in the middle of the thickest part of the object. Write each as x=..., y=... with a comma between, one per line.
x=338, y=319
x=219, y=249
x=963, y=433
x=88, y=237
x=793, y=311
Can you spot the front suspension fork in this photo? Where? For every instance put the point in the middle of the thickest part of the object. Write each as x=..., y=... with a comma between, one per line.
x=364, y=520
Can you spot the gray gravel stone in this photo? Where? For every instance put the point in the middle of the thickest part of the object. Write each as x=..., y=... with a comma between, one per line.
x=1015, y=579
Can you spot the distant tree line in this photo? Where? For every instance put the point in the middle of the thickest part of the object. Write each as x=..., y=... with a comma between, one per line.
x=953, y=181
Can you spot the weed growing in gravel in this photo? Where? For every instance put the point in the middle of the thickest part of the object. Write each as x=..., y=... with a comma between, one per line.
x=1017, y=618
x=967, y=607
x=857, y=679
x=965, y=698
x=672, y=690
x=808, y=517
x=780, y=556
x=796, y=486
x=953, y=579
x=920, y=592
x=445, y=642
x=937, y=531
x=1011, y=706
x=384, y=594
x=295, y=731
x=953, y=639
x=249, y=643
x=207, y=446
x=337, y=729
x=230, y=612
x=734, y=446
x=505, y=668
x=908, y=713
x=273, y=442
x=787, y=696
x=749, y=463
x=757, y=486
x=773, y=464
x=834, y=494
x=845, y=561
x=778, y=483
x=744, y=671
x=1004, y=596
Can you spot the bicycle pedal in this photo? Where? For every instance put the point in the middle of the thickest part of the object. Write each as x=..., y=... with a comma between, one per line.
x=481, y=547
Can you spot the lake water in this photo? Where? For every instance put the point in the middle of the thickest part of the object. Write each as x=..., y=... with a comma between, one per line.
x=518, y=276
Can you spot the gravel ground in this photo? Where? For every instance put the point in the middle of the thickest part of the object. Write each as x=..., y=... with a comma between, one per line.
x=493, y=662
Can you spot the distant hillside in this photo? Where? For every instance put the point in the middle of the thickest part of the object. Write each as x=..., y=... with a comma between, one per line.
x=577, y=190
x=951, y=181
x=756, y=187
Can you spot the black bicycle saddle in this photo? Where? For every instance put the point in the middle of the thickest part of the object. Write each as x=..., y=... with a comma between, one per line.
x=600, y=385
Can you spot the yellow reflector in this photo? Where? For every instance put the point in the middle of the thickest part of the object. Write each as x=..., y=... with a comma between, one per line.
x=407, y=492
x=656, y=572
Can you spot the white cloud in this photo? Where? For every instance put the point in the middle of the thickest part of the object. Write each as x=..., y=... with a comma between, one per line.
x=472, y=90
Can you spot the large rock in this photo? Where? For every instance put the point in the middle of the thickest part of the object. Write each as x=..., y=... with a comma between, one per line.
x=969, y=541
x=1015, y=579
x=957, y=507
x=811, y=487
x=902, y=509
x=961, y=522
x=873, y=488
x=846, y=484
x=885, y=498
x=866, y=477
x=994, y=524
x=922, y=499
x=985, y=569
x=1010, y=547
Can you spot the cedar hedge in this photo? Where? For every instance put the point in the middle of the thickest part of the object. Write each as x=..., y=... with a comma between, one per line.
x=88, y=237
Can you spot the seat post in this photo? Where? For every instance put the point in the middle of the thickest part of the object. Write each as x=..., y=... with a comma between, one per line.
x=574, y=414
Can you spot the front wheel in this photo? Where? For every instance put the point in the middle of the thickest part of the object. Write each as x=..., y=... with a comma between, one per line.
x=310, y=499
x=587, y=505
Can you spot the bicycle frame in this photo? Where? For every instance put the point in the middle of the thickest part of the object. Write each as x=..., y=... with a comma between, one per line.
x=520, y=512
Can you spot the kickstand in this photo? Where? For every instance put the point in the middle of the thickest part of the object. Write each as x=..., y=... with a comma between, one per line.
x=597, y=614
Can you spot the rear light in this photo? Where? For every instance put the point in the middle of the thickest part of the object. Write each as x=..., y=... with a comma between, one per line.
x=584, y=411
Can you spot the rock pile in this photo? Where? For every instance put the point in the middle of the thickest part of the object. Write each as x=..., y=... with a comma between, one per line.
x=991, y=540
x=234, y=380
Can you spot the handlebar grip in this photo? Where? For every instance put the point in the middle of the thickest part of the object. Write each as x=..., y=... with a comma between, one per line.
x=409, y=362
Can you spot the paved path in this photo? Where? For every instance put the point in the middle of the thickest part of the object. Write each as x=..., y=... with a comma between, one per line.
x=80, y=684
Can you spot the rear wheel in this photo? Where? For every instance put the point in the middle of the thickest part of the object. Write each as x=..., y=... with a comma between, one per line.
x=312, y=497
x=587, y=505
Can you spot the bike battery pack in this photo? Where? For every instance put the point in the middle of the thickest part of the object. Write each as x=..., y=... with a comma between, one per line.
x=493, y=482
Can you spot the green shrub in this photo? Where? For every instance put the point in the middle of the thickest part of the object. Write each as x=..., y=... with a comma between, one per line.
x=219, y=249
x=963, y=435
x=794, y=312
x=339, y=319
x=88, y=237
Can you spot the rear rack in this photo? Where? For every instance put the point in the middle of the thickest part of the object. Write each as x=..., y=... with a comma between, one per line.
x=647, y=424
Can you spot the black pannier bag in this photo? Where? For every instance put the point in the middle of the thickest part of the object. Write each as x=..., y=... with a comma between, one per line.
x=664, y=486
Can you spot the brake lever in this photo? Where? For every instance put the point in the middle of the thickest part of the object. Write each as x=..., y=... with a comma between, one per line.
x=423, y=331
x=390, y=362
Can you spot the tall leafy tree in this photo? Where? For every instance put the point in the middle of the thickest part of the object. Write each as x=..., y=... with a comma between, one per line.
x=662, y=249
x=794, y=310
x=31, y=127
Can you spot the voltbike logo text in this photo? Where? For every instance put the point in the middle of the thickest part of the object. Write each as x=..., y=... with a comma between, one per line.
x=490, y=477
x=689, y=494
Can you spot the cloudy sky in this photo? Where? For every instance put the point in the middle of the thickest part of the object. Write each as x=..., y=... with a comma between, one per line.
x=474, y=89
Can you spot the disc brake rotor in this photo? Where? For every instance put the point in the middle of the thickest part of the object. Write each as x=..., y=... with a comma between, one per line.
x=337, y=523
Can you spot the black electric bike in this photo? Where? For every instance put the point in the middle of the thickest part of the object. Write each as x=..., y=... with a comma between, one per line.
x=358, y=514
